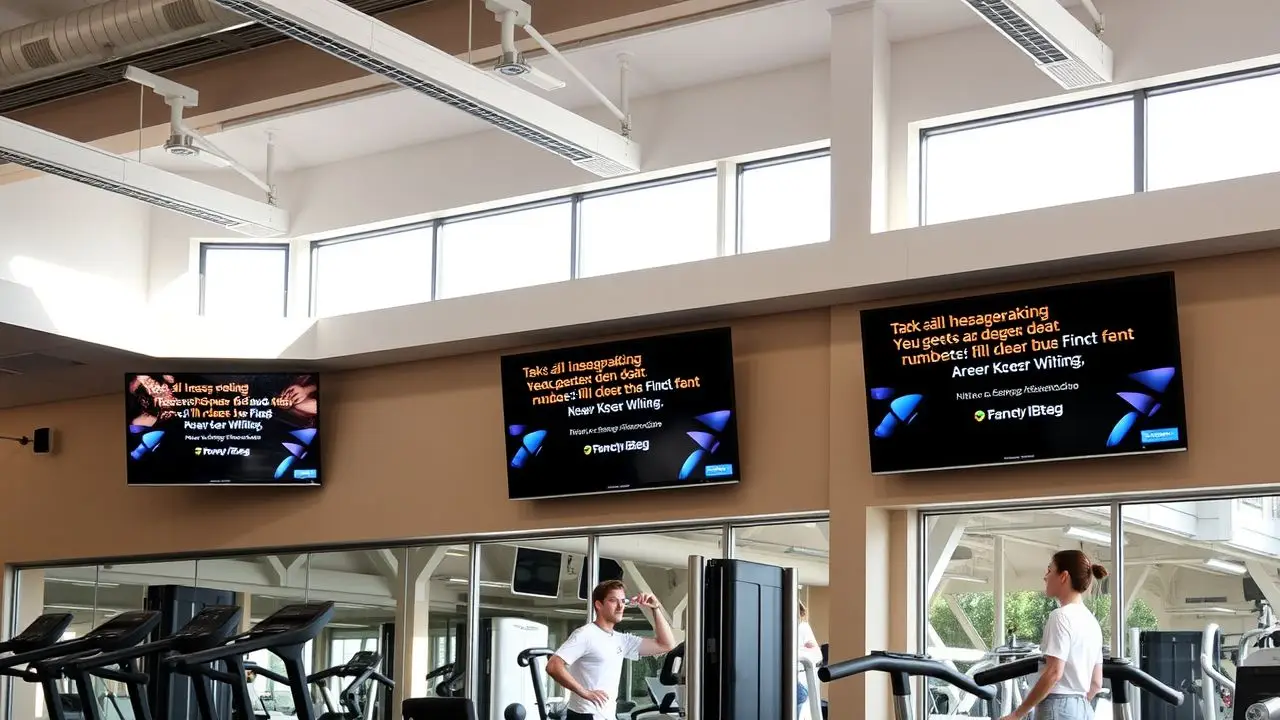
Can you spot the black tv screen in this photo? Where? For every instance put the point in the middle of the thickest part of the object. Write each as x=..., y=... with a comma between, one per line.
x=536, y=573
x=1072, y=371
x=222, y=429
x=642, y=414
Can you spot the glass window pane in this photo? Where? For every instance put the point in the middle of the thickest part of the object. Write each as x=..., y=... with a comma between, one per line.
x=373, y=273
x=963, y=556
x=649, y=227
x=529, y=597
x=1217, y=132
x=656, y=563
x=785, y=205
x=1036, y=162
x=506, y=251
x=245, y=280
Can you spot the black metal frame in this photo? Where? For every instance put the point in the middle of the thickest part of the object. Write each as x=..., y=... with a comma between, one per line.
x=1138, y=97
x=205, y=247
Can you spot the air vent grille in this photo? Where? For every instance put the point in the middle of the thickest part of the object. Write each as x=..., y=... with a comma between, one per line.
x=182, y=14
x=1071, y=74
x=1020, y=30
x=39, y=53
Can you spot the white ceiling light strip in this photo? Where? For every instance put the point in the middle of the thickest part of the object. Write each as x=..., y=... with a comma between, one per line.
x=379, y=48
x=53, y=154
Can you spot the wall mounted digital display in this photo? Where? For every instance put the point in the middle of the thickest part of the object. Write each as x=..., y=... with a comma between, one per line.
x=222, y=429
x=1071, y=371
x=641, y=414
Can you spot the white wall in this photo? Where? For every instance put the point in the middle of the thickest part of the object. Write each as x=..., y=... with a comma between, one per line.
x=973, y=70
x=67, y=248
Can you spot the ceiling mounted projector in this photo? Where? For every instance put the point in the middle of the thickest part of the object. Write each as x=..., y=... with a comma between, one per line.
x=53, y=154
x=1061, y=46
x=375, y=46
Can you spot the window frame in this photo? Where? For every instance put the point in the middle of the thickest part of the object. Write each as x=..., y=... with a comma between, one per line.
x=276, y=246
x=313, y=260
x=579, y=198
x=744, y=167
x=1138, y=96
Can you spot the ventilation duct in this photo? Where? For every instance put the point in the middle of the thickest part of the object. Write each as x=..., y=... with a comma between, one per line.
x=1061, y=46
x=100, y=33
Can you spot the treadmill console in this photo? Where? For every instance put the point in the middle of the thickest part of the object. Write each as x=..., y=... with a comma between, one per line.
x=128, y=628
x=42, y=632
x=211, y=626
x=306, y=619
x=363, y=660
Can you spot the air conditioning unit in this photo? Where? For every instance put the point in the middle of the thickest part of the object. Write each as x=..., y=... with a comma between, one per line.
x=1061, y=46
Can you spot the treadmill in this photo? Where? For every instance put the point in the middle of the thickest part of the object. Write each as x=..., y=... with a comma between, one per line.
x=285, y=633
x=210, y=627
x=363, y=667
x=44, y=664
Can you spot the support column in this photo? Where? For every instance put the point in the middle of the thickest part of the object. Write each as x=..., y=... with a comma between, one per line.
x=860, y=121
x=412, y=589
x=997, y=591
x=27, y=701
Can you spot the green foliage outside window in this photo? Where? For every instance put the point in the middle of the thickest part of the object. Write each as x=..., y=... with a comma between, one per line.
x=1025, y=613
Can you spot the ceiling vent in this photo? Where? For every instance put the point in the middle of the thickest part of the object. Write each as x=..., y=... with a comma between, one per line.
x=1061, y=46
x=32, y=363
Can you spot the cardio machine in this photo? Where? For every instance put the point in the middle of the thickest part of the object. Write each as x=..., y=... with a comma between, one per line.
x=356, y=700
x=45, y=665
x=1119, y=671
x=666, y=705
x=901, y=667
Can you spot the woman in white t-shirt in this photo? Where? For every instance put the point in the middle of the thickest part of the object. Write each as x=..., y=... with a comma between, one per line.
x=809, y=648
x=1071, y=644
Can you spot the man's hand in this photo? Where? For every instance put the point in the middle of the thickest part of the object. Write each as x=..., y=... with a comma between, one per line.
x=596, y=697
x=648, y=600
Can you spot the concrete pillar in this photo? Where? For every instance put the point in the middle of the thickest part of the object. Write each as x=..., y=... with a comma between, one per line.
x=860, y=121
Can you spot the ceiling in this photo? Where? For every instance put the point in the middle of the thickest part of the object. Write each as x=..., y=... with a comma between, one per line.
x=698, y=53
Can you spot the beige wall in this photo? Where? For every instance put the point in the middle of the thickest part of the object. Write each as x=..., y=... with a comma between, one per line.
x=415, y=451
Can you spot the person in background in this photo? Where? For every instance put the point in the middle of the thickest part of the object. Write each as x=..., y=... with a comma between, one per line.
x=589, y=663
x=810, y=649
x=1071, y=644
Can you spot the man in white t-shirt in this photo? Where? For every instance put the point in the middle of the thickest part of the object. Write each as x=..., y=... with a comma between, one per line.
x=589, y=663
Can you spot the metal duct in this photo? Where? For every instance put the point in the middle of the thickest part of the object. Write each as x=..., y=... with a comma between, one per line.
x=108, y=31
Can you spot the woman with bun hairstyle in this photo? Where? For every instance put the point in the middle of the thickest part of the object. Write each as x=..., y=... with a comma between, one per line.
x=1071, y=644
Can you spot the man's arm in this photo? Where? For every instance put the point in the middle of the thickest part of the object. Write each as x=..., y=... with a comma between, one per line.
x=663, y=641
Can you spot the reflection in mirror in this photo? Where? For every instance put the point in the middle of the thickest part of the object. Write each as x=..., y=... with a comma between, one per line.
x=804, y=546
x=657, y=564
x=430, y=631
x=532, y=595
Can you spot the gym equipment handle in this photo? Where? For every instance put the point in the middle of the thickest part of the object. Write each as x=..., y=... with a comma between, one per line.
x=905, y=664
x=1117, y=669
x=1008, y=671
x=526, y=656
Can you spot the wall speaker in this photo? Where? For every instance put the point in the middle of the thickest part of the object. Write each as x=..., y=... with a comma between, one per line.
x=42, y=441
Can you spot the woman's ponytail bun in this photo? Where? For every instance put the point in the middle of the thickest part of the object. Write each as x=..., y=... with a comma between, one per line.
x=1098, y=571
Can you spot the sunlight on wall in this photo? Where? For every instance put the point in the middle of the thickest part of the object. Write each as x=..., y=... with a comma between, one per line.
x=84, y=305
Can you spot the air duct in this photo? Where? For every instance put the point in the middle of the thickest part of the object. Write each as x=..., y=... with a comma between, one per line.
x=107, y=31
x=1059, y=44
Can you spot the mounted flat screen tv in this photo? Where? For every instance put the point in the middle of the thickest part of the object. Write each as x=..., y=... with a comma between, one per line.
x=536, y=573
x=1071, y=371
x=222, y=429
x=643, y=414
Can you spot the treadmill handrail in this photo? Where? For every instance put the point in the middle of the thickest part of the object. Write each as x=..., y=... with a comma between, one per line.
x=906, y=664
x=1004, y=672
x=1112, y=669
x=1140, y=679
